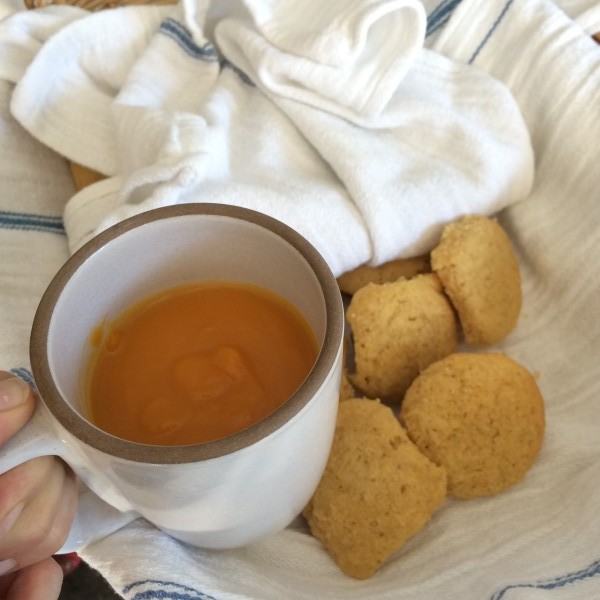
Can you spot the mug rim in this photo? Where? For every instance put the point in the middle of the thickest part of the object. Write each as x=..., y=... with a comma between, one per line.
x=107, y=443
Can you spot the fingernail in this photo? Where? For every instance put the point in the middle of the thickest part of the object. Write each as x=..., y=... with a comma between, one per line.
x=7, y=565
x=9, y=520
x=13, y=391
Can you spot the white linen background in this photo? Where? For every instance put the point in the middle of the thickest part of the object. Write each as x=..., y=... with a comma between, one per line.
x=535, y=541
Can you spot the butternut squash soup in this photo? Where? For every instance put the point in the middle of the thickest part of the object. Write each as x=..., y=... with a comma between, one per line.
x=197, y=363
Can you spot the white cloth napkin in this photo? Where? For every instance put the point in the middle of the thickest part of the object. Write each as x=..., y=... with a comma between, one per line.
x=246, y=118
x=344, y=56
x=535, y=541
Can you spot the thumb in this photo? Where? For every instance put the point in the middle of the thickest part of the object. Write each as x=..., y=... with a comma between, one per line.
x=16, y=405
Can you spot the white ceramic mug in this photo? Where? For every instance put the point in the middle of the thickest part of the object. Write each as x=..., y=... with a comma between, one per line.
x=223, y=493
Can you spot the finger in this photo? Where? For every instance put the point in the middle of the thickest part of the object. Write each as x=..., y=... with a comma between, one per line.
x=5, y=584
x=19, y=486
x=40, y=581
x=44, y=523
x=16, y=405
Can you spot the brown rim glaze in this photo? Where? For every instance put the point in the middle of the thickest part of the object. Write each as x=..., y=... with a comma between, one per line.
x=96, y=438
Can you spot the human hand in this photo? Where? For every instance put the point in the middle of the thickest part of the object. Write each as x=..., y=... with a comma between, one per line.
x=37, y=505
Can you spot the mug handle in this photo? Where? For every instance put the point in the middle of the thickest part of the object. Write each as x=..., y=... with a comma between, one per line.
x=95, y=518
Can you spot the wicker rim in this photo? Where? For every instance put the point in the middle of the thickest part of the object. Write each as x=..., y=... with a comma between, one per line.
x=96, y=5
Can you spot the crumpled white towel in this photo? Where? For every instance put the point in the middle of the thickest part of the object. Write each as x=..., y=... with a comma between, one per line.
x=344, y=56
x=65, y=92
x=173, y=117
x=585, y=13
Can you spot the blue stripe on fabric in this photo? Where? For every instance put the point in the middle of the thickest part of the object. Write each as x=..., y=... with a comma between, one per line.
x=592, y=571
x=491, y=31
x=24, y=221
x=441, y=15
x=183, y=37
x=165, y=595
x=225, y=64
x=23, y=374
x=156, y=589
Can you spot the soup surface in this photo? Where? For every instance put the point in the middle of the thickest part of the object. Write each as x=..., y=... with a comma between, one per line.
x=197, y=363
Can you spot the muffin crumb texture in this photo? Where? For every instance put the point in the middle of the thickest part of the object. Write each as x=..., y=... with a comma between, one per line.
x=377, y=491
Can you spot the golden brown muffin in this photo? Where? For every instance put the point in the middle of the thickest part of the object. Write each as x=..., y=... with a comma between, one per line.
x=480, y=416
x=377, y=491
x=393, y=270
x=84, y=176
x=480, y=273
x=399, y=329
x=346, y=388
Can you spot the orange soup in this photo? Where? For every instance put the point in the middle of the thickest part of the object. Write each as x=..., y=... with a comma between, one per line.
x=197, y=363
